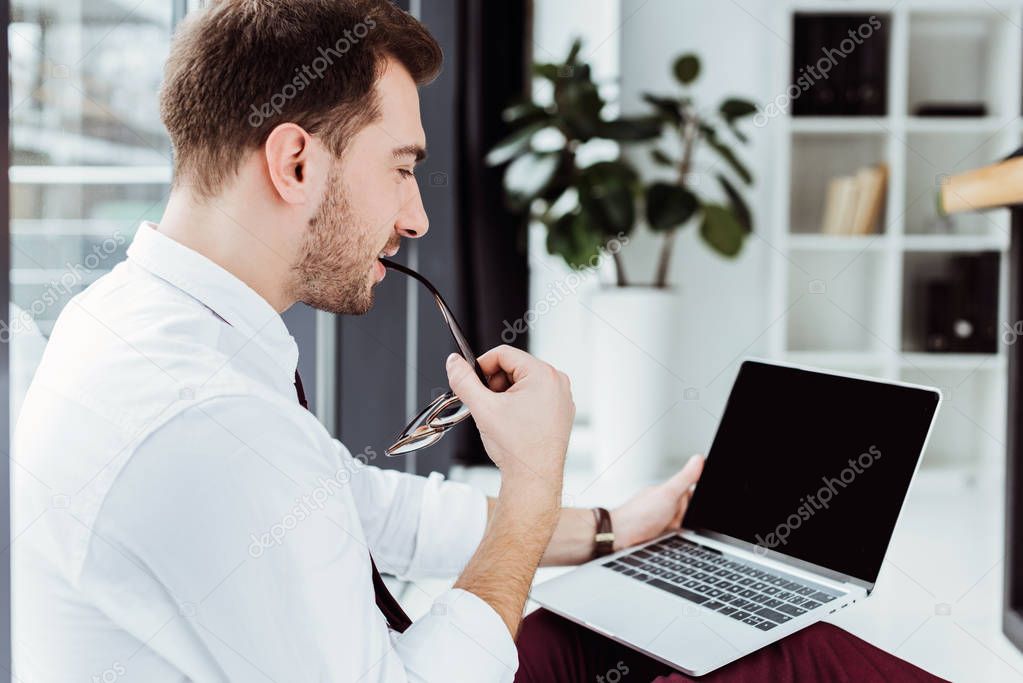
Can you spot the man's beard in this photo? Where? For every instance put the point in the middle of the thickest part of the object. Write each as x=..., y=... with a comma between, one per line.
x=333, y=274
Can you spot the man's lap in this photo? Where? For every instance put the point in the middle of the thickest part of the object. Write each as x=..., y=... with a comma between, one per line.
x=552, y=649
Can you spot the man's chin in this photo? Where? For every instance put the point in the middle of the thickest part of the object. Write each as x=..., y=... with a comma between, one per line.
x=341, y=305
x=363, y=306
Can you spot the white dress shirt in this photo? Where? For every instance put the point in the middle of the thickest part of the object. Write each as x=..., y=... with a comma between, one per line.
x=178, y=516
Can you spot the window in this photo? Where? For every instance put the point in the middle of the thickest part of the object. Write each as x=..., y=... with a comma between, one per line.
x=89, y=156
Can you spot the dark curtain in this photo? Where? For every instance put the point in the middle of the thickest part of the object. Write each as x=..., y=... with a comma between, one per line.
x=475, y=251
x=492, y=245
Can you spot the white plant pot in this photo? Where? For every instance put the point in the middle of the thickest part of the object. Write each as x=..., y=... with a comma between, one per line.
x=633, y=390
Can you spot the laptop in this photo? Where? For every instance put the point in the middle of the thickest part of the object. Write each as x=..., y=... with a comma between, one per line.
x=789, y=523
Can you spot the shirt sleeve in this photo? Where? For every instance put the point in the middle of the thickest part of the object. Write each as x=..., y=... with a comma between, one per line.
x=416, y=526
x=443, y=634
x=232, y=545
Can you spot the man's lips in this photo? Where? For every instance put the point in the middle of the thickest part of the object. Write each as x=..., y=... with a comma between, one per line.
x=379, y=269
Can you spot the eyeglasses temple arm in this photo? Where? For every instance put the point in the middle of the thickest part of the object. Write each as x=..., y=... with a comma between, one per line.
x=453, y=327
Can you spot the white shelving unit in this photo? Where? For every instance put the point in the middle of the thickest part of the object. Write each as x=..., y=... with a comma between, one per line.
x=847, y=302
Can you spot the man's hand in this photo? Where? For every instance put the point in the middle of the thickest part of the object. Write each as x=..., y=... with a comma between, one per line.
x=646, y=515
x=657, y=509
x=524, y=416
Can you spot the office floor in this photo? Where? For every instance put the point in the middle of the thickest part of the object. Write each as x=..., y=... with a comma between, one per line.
x=938, y=600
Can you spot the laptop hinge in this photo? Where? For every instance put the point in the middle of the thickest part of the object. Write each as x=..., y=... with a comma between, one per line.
x=798, y=568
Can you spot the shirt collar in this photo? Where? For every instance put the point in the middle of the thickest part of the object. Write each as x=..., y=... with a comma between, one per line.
x=217, y=289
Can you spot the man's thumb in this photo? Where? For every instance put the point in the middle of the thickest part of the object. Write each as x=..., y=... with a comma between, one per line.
x=688, y=475
x=464, y=382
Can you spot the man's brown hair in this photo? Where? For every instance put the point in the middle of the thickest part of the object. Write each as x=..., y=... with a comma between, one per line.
x=239, y=68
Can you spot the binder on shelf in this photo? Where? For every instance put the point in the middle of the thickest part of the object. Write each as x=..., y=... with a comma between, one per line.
x=855, y=82
x=962, y=307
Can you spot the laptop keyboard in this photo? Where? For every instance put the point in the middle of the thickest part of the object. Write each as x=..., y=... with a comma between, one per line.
x=705, y=576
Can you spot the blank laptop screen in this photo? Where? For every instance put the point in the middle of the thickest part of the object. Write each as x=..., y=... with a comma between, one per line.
x=812, y=465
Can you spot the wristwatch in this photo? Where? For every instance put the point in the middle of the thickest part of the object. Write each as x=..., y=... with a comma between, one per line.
x=604, y=539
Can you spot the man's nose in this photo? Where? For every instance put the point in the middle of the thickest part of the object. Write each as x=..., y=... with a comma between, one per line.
x=412, y=221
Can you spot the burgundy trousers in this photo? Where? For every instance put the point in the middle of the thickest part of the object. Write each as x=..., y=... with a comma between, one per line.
x=555, y=650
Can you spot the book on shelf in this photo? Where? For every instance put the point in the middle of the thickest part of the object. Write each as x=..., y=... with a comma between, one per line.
x=839, y=205
x=853, y=203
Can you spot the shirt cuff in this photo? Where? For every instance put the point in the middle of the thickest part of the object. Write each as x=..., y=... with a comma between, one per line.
x=461, y=638
x=452, y=519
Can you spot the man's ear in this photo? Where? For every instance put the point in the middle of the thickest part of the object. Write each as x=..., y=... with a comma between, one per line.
x=293, y=160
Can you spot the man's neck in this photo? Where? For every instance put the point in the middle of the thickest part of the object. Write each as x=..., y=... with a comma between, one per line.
x=234, y=239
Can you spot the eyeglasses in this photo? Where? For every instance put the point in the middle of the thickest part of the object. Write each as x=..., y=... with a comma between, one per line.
x=445, y=411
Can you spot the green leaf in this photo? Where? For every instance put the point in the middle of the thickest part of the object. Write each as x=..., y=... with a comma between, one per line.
x=630, y=129
x=513, y=145
x=572, y=238
x=560, y=238
x=667, y=108
x=587, y=242
x=735, y=108
x=669, y=206
x=523, y=113
x=661, y=158
x=527, y=177
x=721, y=231
x=579, y=104
x=573, y=52
x=736, y=132
x=687, y=68
x=729, y=157
x=737, y=204
x=607, y=196
x=547, y=71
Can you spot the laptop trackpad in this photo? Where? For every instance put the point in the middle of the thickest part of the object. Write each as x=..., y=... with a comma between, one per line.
x=645, y=618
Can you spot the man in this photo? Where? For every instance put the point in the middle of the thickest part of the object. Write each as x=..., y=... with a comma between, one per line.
x=180, y=515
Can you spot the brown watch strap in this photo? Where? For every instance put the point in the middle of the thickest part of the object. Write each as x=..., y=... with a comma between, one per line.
x=604, y=540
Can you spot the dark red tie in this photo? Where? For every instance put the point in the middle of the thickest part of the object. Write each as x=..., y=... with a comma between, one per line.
x=388, y=606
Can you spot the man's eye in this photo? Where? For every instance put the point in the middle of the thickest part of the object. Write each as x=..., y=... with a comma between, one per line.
x=405, y=173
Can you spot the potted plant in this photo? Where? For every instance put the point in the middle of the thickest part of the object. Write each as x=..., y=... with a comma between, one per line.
x=590, y=209
x=671, y=205
x=582, y=206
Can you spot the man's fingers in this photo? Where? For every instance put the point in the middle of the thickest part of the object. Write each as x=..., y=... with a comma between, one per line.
x=498, y=382
x=515, y=363
x=687, y=476
x=464, y=382
x=503, y=365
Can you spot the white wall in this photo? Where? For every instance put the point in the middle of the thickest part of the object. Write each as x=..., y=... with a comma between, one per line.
x=721, y=304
